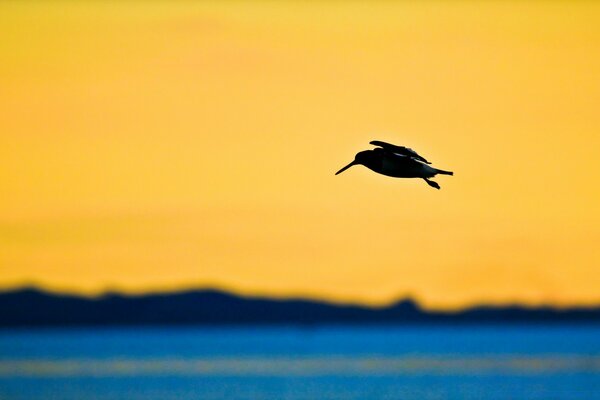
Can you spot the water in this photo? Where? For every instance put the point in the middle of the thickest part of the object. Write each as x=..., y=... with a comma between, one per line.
x=471, y=362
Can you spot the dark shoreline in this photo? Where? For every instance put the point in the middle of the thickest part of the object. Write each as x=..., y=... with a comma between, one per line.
x=33, y=308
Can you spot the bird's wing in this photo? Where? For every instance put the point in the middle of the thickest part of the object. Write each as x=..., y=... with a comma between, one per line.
x=400, y=150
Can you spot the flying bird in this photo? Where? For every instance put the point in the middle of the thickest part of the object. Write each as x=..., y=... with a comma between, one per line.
x=397, y=162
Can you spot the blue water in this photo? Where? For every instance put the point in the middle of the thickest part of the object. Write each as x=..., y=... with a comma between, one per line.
x=473, y=362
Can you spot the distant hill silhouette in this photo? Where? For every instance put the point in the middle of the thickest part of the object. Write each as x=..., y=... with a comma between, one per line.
x=35, y=308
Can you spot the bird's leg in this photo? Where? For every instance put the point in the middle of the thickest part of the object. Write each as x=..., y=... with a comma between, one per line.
x=432, y=183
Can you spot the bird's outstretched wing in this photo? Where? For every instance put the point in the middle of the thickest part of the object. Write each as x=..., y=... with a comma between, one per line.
x=401, y=150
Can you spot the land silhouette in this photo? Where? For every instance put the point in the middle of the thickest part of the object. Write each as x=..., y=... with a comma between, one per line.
x=31, y=307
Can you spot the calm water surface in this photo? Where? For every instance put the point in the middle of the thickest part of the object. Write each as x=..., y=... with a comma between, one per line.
x=474, y=362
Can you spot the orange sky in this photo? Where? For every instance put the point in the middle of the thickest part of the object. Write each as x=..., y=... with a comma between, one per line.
x=160, y=145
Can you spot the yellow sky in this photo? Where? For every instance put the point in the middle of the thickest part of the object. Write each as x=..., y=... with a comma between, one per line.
x=160, y=145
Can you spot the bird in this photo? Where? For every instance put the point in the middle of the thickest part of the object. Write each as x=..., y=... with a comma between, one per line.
x=397, y=162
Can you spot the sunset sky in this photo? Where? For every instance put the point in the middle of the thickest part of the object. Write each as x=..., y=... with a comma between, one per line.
x=156, y=145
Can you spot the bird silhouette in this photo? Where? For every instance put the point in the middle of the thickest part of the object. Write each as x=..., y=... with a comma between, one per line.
x=397, y=162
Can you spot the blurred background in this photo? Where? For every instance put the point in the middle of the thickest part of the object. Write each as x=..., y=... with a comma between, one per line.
x=158, y=146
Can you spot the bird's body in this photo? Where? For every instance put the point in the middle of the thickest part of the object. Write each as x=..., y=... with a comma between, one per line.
x=396, y=162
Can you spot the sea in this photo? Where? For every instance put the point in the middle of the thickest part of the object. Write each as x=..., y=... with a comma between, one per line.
x=314, y=362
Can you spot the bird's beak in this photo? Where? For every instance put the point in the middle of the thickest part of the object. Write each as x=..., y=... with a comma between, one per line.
x=346, y=167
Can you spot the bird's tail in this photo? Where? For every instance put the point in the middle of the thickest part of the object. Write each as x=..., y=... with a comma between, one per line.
x=442, y=172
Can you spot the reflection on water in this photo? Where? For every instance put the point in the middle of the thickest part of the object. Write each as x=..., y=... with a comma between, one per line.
x=312, y=366
x=410, y=363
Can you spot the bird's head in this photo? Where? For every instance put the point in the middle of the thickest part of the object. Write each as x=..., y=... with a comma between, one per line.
x=362, y=158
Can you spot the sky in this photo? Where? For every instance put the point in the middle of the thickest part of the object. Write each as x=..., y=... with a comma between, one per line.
x=156, y=145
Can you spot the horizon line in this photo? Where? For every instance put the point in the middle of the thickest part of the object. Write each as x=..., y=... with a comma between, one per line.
x=107, y=292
